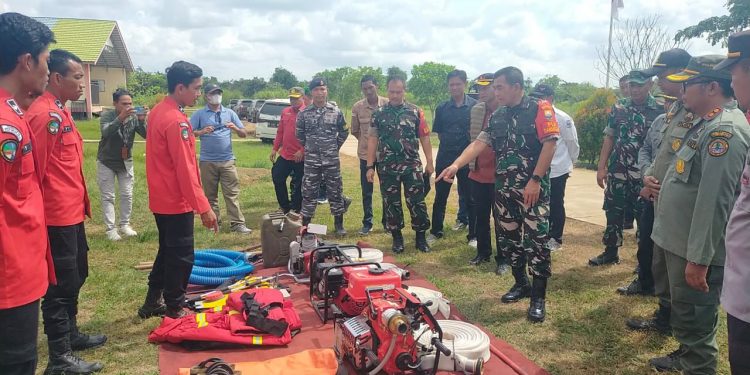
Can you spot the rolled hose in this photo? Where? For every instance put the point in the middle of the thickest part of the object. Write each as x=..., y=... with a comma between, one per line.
x=214, y=266
x=462, y=339
x=438, y=302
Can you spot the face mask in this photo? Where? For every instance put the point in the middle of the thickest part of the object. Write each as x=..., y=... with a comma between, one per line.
x=214, y=99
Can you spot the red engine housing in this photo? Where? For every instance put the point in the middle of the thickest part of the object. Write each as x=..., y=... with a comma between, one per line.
x=352, y=299
x=389, y=315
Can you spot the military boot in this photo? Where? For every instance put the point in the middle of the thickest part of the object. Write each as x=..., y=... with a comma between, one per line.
x=422, y=242
x=398, y=242
x=536, y=311
x=659, y=322
x=521, y=288
x=62, y=361
x=668, y=363
x=153, y=306
x=338, y=222
x=609, y=256
x=81, y=341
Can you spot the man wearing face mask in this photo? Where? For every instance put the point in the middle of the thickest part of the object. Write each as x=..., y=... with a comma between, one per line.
x=214, y=125
x=66, y=204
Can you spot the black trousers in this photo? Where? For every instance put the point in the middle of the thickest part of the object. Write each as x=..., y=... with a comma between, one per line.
x=70, y=256
x=557, y=207
x=483, y=201
x=280, y=171
x=18, y=331
x=442, y=191
x=739, y=345
x=645, y=252
x=367, y=188
x=174, y=261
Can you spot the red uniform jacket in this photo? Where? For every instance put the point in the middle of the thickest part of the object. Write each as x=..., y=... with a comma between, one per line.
x=59, y=150
x=174, y=184
x=26, y=267
x=286, y=137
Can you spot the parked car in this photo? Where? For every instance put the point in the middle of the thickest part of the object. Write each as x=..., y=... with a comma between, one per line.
x=256, y=108
x=243, y=108
x=268, y=119
x=233, y=103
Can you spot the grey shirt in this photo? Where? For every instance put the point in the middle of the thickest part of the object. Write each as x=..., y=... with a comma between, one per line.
x=116, y=144
x=647, y=153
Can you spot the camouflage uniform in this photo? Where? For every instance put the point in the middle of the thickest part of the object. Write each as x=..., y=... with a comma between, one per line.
x=322, y=131
x=627, y=125
x=515, y=136
x=398, y=129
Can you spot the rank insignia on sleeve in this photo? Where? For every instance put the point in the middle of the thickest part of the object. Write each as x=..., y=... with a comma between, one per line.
x=679, y=166
x=712, y=114
x=14, y=106
x=10, y=129
x=26, y=148
x=718, y=147
x=721, y=134
x=185, y=133
x=676, y=145
x=9, y=148
x=59, y=104
x=53, y=127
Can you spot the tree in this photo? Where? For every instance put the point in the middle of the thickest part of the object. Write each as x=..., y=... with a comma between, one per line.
x=284, y=77
x=273, y=90
x=718, y=28
x=395, y=71
x=344, y=83
x=141, y=83
x=635, y=46
x=590, y=122
x=428, y=83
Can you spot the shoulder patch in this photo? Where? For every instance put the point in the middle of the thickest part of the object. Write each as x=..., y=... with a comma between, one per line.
x=59, y=104
x=9, y=148
x=10, y=129
x=14, y=106
x=710, y=115
x=718, y=147
x=56, y=116
x=53, y=126
x=184, y=132
x=721, y=134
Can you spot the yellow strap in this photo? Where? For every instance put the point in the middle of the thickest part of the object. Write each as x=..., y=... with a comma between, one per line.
x=200, y=318
x=734, y=54
x=257, y=340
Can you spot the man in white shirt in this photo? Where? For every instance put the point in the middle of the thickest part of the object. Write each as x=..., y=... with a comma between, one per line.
x=565, y=157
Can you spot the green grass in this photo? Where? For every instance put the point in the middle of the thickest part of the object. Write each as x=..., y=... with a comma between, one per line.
x=583, y=334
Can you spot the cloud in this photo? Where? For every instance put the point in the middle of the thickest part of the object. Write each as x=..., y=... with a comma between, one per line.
x=242, y=39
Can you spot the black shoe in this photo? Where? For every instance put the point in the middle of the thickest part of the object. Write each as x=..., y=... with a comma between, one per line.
x=62, y=361
x=521, y=289
x=537, y=312
x=398, y=242
x=635, y=288
x=668, y=363
x=347, y=203
x=338, y=222
x=365, y=230
x=422, y=242
x=153, y=305
x=176, y=312
x=479, y=259
x=81, y=341
x=502, y=269
x=659, y=322
x=607, y=257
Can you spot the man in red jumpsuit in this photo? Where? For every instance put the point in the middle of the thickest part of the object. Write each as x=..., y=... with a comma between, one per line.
x=174, y=192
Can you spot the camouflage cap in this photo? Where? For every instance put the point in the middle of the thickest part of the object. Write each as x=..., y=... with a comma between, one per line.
x=638, y=77
x=701, y=67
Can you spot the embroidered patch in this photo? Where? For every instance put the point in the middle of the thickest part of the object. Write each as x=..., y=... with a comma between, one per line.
x=53, y=127
x=59, y=104
x=718, y=147
x=14, y=106
x=679, y=166
x=10, y=129
x=26, y=148
x=676, y=145
x=67, y=129
x=689, y=117
x=692, y=143
x=721, y=134
x=685, y=124
x=56, y=116
x=710, y=115
x=185, y=134
x=548, y=114
x=9, y=149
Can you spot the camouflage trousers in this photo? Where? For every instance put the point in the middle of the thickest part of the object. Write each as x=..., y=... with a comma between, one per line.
x=390, y=190
x=523, y=232
x=314, y=176
x=620, y=196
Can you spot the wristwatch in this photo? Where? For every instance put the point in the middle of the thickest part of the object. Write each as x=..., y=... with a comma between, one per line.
x=536, y=178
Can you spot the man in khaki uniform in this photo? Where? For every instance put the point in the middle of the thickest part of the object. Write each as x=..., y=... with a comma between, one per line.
x=695, y=200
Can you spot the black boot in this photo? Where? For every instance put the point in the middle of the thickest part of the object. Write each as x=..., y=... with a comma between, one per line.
x=609, y=256
x=63, y=361
x=153, y=306
x=521, y=289
x=81, y=341
x=175, y=312
x=536, y=311
x=398, y=242
x=338, y=222
x=658, y=323
x=422, y=242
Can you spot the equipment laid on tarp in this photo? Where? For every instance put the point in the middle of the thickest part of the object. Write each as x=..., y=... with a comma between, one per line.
x=278, y=230
x=307, y=362
x=217, y=298
x=214, y=266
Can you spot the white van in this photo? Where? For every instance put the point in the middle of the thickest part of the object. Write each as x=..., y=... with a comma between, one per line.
x=268, y=119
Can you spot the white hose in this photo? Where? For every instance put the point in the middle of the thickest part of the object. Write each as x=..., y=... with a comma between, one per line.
x=368, y=255
x=462, y=339
x=385, y=359
x=438, y=302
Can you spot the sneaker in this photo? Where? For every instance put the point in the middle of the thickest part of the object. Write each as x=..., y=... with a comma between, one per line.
x=553, y=245
x=127, y=231
x=431, y=239
x=473, y=243
x=241, y=229
x=112, y=235
x=459, y=225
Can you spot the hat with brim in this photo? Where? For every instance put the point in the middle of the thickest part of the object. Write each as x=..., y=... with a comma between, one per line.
x=483, y=80
x=701, y=67
x=296, y=92
x=211, y=87
x=670, y=59
x=739, y=48
x=638, y=77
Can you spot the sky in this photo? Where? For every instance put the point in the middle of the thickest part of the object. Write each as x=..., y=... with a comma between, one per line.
x=232, y=39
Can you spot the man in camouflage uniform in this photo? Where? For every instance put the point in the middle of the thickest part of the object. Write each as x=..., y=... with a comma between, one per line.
x=618, y=172
x=322, y=130
x=396, y=131
x=696, y=198
x=523, y=131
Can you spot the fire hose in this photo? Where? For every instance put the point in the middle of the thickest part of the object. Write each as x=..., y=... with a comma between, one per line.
x=436, y=298
x=468, y=345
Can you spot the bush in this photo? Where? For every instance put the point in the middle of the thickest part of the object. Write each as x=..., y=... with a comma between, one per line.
x=591, y=119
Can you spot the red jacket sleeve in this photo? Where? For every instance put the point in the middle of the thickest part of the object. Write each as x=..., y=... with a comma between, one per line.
x=46, y=127
x=179, y=137
x=279, y=140
x=424, y=127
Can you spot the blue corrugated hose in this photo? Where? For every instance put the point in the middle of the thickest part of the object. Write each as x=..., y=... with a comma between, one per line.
x=214, y=266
